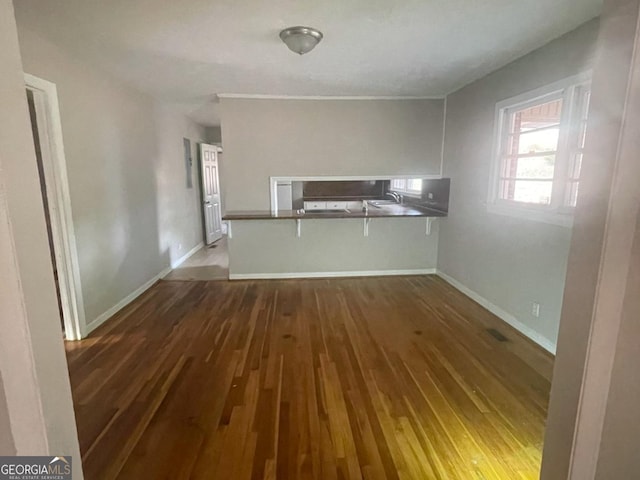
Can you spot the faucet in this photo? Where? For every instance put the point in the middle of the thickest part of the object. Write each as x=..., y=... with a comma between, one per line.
x=396, y=196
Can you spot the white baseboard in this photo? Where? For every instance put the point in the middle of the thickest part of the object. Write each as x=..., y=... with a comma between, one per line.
x=367, y=273
x=528, y=332
x=91, y=326
x=182, y=259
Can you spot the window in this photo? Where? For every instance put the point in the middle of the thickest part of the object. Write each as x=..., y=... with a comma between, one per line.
x=539, y=149
x=409, y=186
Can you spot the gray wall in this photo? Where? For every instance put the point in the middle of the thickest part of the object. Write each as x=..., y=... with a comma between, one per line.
x=510, y=262
x=179, y=208
x=132, y=212
x=331, y=245
x=7, y=446
x=213, y=134
x=263, y=138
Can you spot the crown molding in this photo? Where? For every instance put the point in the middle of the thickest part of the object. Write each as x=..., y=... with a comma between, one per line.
x=325, y=97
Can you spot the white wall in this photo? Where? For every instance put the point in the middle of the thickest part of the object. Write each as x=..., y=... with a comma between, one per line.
x=510, y=262
x=132, y=213
x=32, y=360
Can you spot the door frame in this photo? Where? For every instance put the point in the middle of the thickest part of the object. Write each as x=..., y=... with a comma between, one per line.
x=45, y=95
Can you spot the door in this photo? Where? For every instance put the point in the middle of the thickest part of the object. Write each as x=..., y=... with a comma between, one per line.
x=211, y=207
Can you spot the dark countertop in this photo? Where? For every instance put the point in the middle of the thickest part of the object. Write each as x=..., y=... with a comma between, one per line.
x=383, y=212
x=358, y=198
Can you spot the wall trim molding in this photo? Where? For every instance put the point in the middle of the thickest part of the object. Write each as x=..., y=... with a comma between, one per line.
x=365, y=273
x=100, y=319
x=503, y=315
x=190, y=253
x=252, y=96
x=45, y=96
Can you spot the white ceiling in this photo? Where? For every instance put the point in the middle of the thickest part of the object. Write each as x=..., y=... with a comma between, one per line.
x=187, y=51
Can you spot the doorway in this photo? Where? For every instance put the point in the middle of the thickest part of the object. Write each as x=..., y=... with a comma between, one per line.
x=42, y=100
x=212, y=261
x=43, y=191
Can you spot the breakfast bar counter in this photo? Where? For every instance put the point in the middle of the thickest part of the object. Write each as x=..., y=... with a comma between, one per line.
x=387, y=211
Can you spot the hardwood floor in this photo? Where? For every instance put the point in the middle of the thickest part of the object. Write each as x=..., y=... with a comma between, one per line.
x=367, y=378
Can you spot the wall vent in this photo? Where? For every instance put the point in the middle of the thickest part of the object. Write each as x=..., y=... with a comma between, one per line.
x=497, y=335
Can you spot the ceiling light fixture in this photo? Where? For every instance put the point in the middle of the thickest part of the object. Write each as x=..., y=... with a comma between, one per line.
x=301, y=40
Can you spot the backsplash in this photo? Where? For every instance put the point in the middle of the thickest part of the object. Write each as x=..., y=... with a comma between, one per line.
x=434, y=193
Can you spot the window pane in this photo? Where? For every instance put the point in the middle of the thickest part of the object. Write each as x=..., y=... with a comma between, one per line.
x=414, y=184
x=532, y=130
x=539, y=116
x=527, y=191
x=539, y=141
x=535, y=167
x=398, y=183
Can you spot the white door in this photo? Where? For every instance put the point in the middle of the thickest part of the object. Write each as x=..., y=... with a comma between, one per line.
x=212, y=210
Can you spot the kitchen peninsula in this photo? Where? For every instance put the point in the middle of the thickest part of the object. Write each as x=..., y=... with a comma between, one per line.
x=374, y=236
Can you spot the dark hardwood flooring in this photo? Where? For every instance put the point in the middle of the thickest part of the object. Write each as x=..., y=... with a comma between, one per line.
x=371, y=378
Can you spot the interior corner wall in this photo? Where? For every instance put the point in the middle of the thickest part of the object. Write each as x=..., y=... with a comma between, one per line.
x=509, y=262
x=213, y=135
x=132, y=211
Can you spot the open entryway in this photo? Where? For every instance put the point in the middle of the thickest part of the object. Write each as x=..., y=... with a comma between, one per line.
x=47, y=137
x=209, y=263
x=212, y=261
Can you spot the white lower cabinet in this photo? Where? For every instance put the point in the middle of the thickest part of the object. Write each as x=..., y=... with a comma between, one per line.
x=336, y=205
x=309, y=206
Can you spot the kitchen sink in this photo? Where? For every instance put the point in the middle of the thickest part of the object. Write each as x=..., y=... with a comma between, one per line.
x=381, y=203
x=327, y=211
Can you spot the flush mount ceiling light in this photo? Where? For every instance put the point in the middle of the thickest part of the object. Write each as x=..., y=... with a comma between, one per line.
x=301, y=40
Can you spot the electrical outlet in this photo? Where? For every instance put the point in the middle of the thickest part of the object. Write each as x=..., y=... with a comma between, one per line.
x=535, y=309
x=430, y=196
x=179, y=246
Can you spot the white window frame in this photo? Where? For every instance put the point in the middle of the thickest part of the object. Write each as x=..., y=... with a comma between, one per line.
x=402, y=186
x=557, y=212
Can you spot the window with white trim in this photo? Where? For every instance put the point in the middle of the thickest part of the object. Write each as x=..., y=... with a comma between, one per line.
x=409, y=186
x=539, y=149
